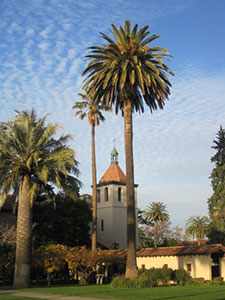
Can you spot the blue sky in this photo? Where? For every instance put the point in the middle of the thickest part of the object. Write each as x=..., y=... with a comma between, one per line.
x=42, y=48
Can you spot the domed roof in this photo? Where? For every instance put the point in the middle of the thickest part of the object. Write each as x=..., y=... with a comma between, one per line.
x=113, y=173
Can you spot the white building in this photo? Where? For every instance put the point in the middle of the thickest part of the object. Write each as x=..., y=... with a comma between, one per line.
x=112, y=206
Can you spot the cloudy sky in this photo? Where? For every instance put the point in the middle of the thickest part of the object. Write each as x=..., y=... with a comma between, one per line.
x=42, y=48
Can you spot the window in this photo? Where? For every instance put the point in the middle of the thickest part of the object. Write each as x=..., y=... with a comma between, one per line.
x=165, y=266
x=189, y=267
x=98, y=196
x=102, y=225
x=119, y=194
x=143, y=267
x=106, y=194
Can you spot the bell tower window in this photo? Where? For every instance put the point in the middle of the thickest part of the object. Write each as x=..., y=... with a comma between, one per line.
x=119, y=194
x=106, y=194
x=98, y=196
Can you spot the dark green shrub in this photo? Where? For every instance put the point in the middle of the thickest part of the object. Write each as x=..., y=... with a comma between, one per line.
x=147, y=279
x=194, y=282
x=165, y=275
x=122, y=282
x=217, y=281
x=181, y=276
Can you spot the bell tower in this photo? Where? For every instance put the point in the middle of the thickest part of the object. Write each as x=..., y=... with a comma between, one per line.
x=112, y=206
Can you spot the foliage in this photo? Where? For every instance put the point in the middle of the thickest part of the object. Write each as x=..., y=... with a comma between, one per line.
x=156, y=212
x=51, y=258
x=122, y=282
x=7, y=260
x=82, y=262
x=197, y=227
x=181, y=276
x=193, y=282
x=28, y=148
x=216, y=203
x=128, y=68
x=7, y=234
x=215, y=235
x=167, y=235
x=63, y=221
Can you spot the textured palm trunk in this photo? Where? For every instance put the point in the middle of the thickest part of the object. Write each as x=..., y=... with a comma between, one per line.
x=155, y=234
x=131, y=264
x=23, y=238
x=94, y=191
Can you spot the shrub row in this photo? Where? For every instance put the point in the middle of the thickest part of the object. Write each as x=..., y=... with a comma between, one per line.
x=162, y=277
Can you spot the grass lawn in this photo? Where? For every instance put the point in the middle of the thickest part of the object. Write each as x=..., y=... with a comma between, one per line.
x=10, y=297
x=159, y=293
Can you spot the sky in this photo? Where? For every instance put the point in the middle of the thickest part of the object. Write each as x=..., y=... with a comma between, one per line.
x=42, y=49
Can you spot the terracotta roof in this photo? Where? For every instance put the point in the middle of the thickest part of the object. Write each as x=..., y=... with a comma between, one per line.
x=182, y=250
x=113, y=173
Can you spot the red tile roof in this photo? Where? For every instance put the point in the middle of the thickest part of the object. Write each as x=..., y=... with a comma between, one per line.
x=182, y=250
x=113, y=173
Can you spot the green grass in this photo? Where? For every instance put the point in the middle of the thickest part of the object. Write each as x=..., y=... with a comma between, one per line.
x=160, y=293
x=10, y=297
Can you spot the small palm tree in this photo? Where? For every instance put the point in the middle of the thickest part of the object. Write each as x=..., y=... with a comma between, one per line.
x=156, y=212
x=30, y=159
x=88, y=108
x=196, y=227
x=125, y=73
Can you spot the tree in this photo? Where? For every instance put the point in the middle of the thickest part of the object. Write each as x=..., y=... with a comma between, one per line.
x=30, y=159
x=61, y=221
x=156, y=212
x=88, y=108
x=216, y=203
x=125, y=73
x=167, y=235
x=197, y=227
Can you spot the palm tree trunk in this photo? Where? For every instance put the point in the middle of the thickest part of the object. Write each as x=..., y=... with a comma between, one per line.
x=131, y=264
x=155, y=234
x=94, y=191
x=23, y=238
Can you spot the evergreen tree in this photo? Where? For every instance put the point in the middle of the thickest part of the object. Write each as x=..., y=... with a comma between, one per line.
x=216, y=203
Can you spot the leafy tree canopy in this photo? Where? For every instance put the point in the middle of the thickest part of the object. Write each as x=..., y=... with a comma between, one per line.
x=63, y=221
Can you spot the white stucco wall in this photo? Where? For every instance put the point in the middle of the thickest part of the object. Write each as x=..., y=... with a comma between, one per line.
x=158, y=262
x=200, y=264
x=222, y=267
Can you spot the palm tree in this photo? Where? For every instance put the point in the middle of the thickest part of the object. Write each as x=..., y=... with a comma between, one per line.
x=156, y=212
x=88, y=108
x=30, y=159
x=197, y=227
x=126, y=72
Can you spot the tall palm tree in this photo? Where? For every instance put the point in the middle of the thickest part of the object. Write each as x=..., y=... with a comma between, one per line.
x=88, y=108
x=30, y=159
x=197, y=227
x=156, y=212
x=126, y=72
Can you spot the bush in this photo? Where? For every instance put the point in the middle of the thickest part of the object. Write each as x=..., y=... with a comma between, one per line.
x=122, y=282
x=147, y=279
x=181, y=276
x=193, y=282
x=217, y=281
